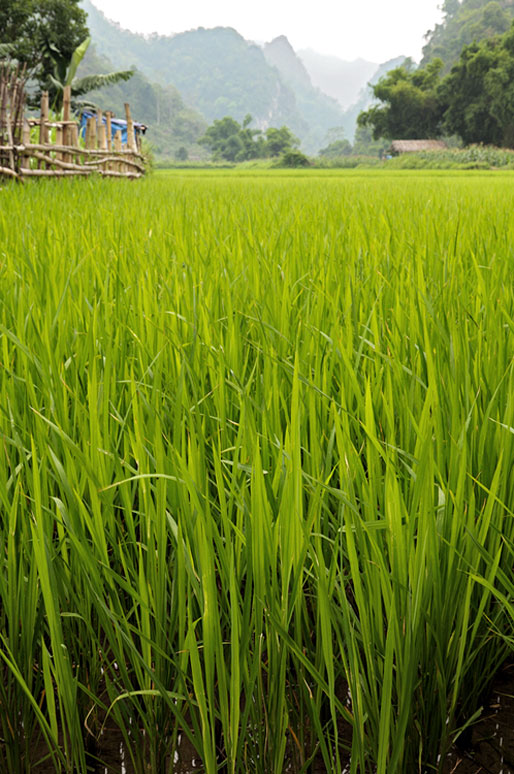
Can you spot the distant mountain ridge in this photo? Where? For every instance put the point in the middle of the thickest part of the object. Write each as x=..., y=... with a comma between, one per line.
x=280, y=54
x=172, y=125
x=217, y=72
x=343, y=80
x=319, y=111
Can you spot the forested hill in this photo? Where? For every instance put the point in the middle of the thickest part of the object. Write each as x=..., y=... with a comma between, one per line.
x=172, y=124
x=463, y=22
x=219, y=73
x=319, y=111
x=343, y=80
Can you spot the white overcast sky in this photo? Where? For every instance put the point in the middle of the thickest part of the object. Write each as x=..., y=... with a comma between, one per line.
x=376, y=30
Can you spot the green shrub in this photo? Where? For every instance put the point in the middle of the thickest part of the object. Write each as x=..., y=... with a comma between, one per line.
x=293, y=159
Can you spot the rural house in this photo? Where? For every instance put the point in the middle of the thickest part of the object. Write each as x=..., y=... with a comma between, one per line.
x=415, y=146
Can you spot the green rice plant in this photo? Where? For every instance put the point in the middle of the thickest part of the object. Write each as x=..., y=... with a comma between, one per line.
x=256, y=482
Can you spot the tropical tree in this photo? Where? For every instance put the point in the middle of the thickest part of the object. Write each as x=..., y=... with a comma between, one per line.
x=479, y=92
x=37, y=29
x=411, y=106
x=231, y=141
x=65, y=73
x=279, y=141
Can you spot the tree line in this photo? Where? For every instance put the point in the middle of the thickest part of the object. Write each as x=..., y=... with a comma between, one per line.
x=474, y=101
x=228, y=140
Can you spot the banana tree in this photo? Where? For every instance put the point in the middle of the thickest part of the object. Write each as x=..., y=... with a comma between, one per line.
x=65, y=72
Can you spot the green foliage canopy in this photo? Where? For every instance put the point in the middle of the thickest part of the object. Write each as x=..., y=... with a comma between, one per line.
x=44, y=34
x=410, y=108
x=279, y=141
x=81, y=86
x=231, y=141
x=474, y=101
x=479, y=93
x=171, y=123
x=463, y=23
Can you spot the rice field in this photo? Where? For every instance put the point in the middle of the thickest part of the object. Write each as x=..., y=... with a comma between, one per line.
x=256, y=480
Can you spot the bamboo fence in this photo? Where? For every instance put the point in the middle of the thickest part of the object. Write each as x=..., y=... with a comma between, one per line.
x=59, y=151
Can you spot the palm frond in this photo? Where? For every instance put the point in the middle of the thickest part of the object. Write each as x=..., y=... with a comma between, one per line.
x=92, y=82
x=76, y=59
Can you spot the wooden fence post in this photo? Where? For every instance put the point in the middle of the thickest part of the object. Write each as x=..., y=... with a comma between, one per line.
x=91, y=133
x=118, y=146
x=25, y=159
x=131, y=139
x=43, y=119
x=108, y=117
x=66, y=117
x=60, y=134
x=102, y=135
x=3, y=119
x=74, y=135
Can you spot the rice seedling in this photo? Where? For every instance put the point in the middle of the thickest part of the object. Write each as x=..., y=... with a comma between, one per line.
x=256, y=482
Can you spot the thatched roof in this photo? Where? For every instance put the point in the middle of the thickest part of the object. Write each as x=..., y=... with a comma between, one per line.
x=414, y=146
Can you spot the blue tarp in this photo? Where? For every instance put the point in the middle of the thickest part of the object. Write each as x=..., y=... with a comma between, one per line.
x=116, y=125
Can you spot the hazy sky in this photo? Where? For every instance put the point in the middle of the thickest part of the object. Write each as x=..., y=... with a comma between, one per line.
x=376, y=30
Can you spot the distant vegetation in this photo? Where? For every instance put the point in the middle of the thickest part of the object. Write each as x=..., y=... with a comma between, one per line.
x=172, y=124
x=218, y=73
x=471, y=157
x=463, y=86
x=184, y=83
x=475, y=100
x=231, y=141
x=463, y=23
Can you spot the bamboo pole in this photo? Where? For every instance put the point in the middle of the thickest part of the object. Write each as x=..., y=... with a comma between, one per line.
x=55, y=172
x=59, y=140
x=70, y=173
x=108, y=118
x=103, y=155
x=58, y=162
x=66, y=117
x=43, y=129
x=102, y=136
x=108, y=160
x=17, y=103
x=91, y=152
x=131, y=140
x=74, y=136
x=91, y=133
x=24, y=159
x=9, y=172
x=6, y=120
x=3, y=116
x=117, y=148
